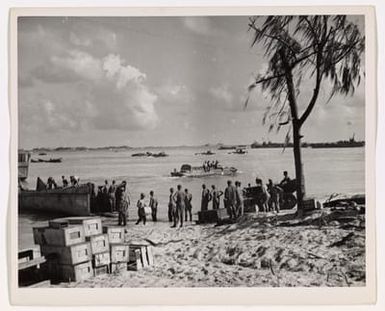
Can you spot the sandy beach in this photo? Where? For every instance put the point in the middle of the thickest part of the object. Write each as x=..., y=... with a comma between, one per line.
x=324, y=249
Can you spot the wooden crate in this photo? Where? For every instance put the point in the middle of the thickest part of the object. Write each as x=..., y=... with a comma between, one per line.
x=99, y=243
x=92, y=225
x=32, y=272
x=115, y=234
x=101, y=259
x=209, y=216
x=118, y=267
x=76, y=273
x=58, y=223
x=311, y=204
x=222, y=215
x=59, y=236
x=145, y=253
x=119, y=252
x=101, y=270
x=29, y=254
x=135, y=262
x=69, y=255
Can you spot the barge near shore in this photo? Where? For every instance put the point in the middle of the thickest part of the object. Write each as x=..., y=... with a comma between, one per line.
x=74, y=201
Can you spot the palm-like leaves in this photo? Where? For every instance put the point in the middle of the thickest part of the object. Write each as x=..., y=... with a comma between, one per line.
x=320, y=47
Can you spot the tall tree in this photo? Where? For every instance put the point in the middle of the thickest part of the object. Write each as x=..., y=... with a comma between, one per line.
x=318, y=48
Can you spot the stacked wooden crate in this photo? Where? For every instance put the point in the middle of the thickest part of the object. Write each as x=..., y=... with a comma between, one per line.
x=66, y=243
x=119, y=250
x=31, y=268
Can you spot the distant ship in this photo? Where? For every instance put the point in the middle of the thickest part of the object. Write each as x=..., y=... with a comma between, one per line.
x=351, y=143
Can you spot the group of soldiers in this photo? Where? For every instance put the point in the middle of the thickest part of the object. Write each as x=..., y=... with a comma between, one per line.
x=179, y=206
x=117, y=199
x=180, y=200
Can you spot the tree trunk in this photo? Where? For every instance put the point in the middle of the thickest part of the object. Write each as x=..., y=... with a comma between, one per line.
x=299, y=175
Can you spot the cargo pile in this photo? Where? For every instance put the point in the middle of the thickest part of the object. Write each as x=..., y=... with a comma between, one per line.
x=77, y=248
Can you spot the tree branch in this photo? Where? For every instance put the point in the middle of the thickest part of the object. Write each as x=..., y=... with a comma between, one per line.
x=268, y=79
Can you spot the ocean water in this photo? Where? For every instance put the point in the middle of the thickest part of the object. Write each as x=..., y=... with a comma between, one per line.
x=326, y=171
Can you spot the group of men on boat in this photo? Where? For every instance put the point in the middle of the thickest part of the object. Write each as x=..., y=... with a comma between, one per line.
x=207, y=165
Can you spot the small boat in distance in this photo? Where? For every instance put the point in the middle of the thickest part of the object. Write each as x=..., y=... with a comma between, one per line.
x=56, y=160
x=239, y=151
x=42, y=154
x=187, y=170
x=208, y=152
x=150, y=154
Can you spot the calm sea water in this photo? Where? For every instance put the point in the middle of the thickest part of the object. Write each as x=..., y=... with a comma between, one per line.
x=326, y=171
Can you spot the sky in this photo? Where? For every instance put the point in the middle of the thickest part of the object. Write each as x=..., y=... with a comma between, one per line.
x=155, y=81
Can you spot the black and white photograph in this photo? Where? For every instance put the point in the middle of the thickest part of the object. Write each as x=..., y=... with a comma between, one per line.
x=207, y=151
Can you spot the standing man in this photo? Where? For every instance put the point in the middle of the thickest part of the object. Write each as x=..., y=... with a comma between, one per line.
x=141, y=212
x=188, y=204
x=264, y=196
x=274, y=192
x=180, y=206
x=123, y=202
x=230, y=199
x=154, y=206
x=171, y=205
x=216, y=195
x=106, y=199
x=239, y=198
x=64, y=181
x=111, y=196
x=206, y=197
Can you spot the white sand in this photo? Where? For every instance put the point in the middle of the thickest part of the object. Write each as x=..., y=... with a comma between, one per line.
x=257, y=251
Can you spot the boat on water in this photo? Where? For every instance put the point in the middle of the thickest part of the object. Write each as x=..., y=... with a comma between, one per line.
x=75, y=201
x=150, y=154
x=187, y=170
x=239, y=151
x=56, y=160
x=208, y=152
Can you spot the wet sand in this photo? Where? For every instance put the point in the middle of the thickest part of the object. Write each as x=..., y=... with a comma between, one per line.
x=259, y=250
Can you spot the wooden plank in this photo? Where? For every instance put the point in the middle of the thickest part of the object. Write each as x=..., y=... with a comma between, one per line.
x=99, y=243
x=31, y=263
x=59, y=236
x=150, y=256
x=41, y=284
x=28, y=254
x=69, y=255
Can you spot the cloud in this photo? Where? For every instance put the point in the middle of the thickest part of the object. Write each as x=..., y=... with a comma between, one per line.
x=222, y=93
x=199, y=24
x=76, y=40
x=99, y=93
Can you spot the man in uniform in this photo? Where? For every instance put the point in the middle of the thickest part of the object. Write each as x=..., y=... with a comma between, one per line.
x=179, y=198
x=154, y=206
x=111, y=196
x=206, y=197
x=216, y=195
x=239, y=199
x=188, y=204
x=122, y=202
x=171, y=205
x=230, y=199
